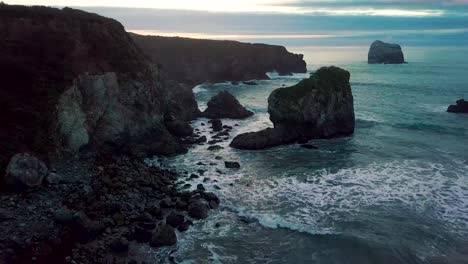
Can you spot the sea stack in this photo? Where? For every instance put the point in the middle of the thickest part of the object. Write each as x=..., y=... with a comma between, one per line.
x=461, y=107
x=385, y=53
x=318, y=107
x=225, y=105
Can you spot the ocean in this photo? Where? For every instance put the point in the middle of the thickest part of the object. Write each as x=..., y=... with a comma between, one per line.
x=394, y=192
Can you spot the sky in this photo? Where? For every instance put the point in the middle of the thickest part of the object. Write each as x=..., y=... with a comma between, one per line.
x=349, y=23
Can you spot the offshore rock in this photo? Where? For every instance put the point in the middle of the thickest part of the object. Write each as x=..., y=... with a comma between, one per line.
x=318, y=107
x=381, y=52
x=460, y=107
x=225, y=105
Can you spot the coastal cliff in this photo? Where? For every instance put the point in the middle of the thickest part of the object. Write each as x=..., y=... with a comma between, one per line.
x=196, y=61
x=73, y=80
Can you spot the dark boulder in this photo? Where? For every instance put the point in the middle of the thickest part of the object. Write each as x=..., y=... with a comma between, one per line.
x=460, y=107
x=163, y=236
x=25, y=171
x=318, y=107
x=198, y=209
x=225, y=105
x=232, y=165
x=381, y=52
x=216, y=125
x=174, y=219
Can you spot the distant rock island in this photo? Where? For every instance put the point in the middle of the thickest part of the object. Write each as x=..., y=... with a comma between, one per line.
x=385, y=53
x=460, y=107
x=195, y=61
x=318, y=107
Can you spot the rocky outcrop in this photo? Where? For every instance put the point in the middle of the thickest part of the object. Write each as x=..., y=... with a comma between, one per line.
x=385, y=53
x=196, y=61
x=72, y=81
x=460, y=107
x=25, y=171
x=225, y=105
x=318, y=107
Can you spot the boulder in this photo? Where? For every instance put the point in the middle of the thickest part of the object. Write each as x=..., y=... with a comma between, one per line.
x=216, y=125
x=318, y=107
x=232, y=165
x=381, y=52
x=460, y=107
x=225, y=105
x=163, y=236
x=25, y=170
x=174, y=219
x=198, y=209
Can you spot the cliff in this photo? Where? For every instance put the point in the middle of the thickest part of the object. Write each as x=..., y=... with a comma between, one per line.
x=195, y=61
x=73, y=81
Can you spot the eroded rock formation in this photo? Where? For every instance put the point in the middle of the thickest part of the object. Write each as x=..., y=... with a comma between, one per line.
x=385, y=53
x=318, y=107
x=225, y=105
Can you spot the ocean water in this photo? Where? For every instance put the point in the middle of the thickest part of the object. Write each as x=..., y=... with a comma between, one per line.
x=394, y=192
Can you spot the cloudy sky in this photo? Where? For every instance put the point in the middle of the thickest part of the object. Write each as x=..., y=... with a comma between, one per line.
x=290, y=22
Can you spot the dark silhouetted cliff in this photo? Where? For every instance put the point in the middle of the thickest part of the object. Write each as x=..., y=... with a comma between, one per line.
x=196, y=61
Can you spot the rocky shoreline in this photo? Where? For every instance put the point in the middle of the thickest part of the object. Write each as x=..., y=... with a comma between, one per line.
x=81, y=106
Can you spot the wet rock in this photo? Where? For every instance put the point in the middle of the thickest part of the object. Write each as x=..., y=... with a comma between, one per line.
x=174, y=219
x=215, y=148
x=381, y=52
x=25, y=171
x=225, y=105
x=232, y=165
x=216, y=124
x=194, y=176
x=198, y=209
x=460, y=107
x=200, y=188
x=155, y=211
x=163, y=236
x=318, y=107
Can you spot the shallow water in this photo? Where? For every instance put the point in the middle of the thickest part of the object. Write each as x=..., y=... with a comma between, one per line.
x=394, y=192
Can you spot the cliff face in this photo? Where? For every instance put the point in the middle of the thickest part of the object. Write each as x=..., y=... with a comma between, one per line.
x=195, y=61
x=72, y=79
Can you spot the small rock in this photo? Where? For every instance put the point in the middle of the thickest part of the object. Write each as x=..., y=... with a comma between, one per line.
x=200, y=188
x=141, y=235
x=185, y=226
x=215, y=148
x=232, y=165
